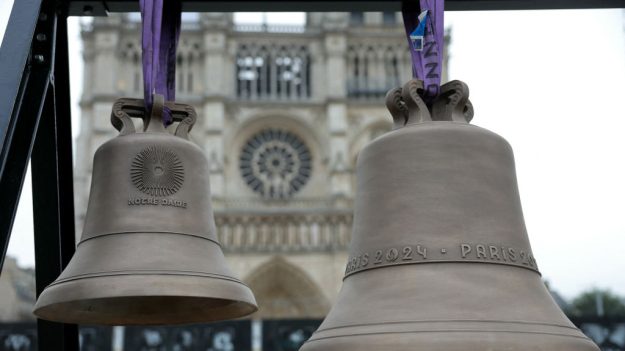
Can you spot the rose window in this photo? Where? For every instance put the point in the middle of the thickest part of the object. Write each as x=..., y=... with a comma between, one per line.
x=275, y=163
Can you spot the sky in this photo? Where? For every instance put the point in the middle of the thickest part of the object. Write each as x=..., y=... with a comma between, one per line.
x=551, y=83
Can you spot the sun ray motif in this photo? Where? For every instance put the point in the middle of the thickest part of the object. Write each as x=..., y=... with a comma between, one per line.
x=157, y=171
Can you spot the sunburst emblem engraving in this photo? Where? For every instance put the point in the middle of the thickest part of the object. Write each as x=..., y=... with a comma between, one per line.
x=157, y=171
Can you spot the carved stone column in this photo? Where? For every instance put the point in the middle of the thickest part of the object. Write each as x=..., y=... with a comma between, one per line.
x=99, y=90
x=218, y=82
x=335, y=47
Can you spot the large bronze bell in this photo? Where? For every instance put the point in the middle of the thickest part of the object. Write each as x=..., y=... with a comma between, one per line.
x=440, y=258
x=148, y=253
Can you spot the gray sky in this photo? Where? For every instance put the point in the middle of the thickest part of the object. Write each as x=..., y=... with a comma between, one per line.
x=551, y=83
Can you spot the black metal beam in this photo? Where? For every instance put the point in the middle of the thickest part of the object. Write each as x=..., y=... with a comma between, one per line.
x=22, y=85
x=54, y=224
x=100, y=8
x=29, y=116
x=63, y=113
x=52, y=181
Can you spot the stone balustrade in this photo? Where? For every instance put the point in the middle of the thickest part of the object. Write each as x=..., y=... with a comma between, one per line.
x=284, y=232
x=270, y=28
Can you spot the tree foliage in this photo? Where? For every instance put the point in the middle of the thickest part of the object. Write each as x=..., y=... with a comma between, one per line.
x=591, y=302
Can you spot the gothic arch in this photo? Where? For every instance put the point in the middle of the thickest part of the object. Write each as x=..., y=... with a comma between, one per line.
x=292, y=122
x=283, y=290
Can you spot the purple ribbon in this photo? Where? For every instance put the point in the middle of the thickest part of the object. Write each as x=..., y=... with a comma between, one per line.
x=159, y=40
x=427, y=64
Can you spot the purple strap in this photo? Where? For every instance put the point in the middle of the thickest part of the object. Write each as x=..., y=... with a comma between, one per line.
x=159, y=40
x=427, y=64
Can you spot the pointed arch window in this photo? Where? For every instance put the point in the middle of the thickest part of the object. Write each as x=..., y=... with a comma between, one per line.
x=273, y=72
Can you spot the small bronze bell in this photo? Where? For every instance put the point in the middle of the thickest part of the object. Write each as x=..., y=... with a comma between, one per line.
x=440, y=258
x=148, y=253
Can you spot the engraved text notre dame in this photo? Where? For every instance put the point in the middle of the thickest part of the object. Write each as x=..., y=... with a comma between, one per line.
x=138, y=201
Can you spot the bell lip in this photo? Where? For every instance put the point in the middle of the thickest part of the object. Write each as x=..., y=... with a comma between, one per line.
x=236, y=309
x=452, y=341
x=69, y=306
x=534, y=315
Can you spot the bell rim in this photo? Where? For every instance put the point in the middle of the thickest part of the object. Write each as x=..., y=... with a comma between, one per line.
x=65, y=302
x=452, y=341
x=46, y=313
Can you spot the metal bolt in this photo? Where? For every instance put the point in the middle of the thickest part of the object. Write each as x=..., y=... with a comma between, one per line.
x=41, y=37
x=39, y=58
x=87, y=10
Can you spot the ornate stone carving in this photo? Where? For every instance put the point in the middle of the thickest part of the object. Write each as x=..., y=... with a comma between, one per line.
x=275, y=163
x=284, y=232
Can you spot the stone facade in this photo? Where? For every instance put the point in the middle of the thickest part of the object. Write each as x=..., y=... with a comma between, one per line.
x=17, y=292
x=300, y=101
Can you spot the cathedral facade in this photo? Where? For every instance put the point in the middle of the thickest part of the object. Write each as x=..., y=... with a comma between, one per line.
x=283, y=111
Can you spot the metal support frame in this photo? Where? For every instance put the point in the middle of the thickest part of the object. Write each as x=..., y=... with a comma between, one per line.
x=35, y=118
x=20, y=82
x=101, y=7
x=35, y=124
x=54, y=215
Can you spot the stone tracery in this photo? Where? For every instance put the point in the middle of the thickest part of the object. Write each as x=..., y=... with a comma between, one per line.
x=275, y=163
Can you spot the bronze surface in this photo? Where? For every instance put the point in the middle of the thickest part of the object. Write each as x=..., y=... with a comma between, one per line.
x=148, y=253
x=440, y=258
